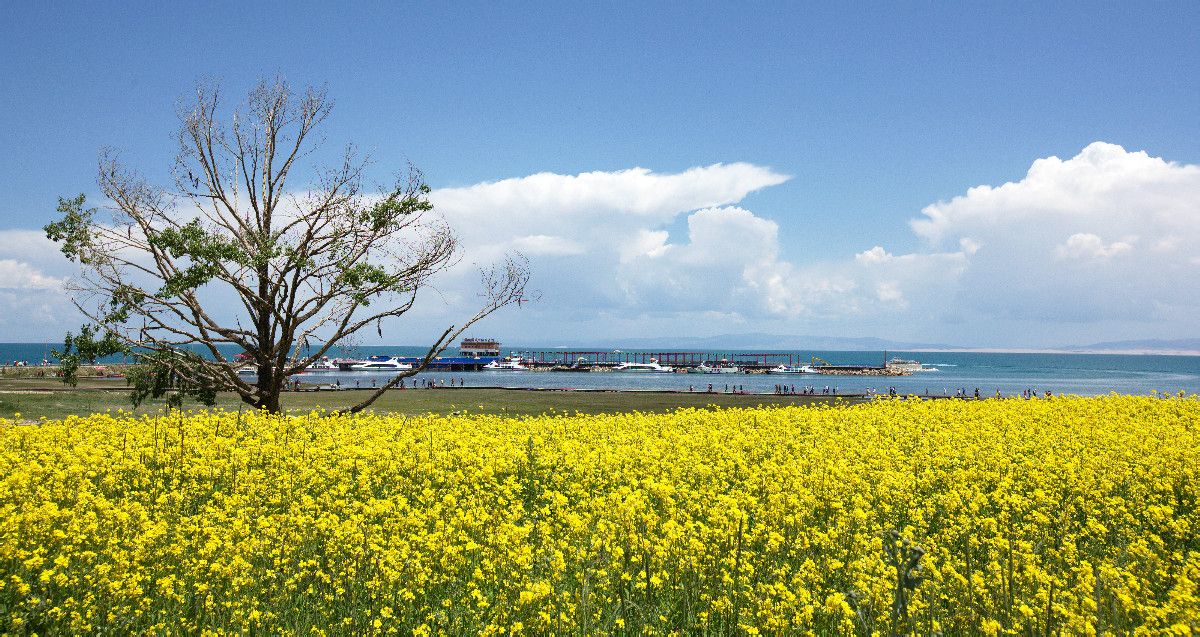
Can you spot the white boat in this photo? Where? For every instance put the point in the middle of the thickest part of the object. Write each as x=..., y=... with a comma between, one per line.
x=652, y=367
x=508, y=364
x=788, y=369
x=705, y=368
x=900, y=364
x=323, y=365
x=381, y=364
x=247, y=371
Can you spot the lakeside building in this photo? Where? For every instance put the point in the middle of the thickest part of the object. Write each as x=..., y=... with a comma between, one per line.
x=479, y=347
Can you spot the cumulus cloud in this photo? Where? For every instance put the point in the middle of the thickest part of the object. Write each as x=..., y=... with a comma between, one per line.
x=32, y=274
x=636, y=192
x=31, y=262
x=1104, y=183
x=1105, y=235
x=1102, y=236
x=724, y=266
x=893, y=282
x=599, y=239
x=17, y=275
x=1085, y=245
x=31, y=246
x=602, y=239
x=540, y=244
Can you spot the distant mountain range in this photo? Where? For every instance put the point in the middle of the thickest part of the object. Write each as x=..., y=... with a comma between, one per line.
x=1145, y=345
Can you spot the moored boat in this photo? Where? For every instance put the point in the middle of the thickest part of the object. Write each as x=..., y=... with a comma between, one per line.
x=652, y=367
x=324, y=365
x=722, y=368
x=794, y=369
x=381, y=364
x=507, y=364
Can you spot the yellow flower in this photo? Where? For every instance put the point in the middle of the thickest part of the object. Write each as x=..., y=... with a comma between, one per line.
x=769, y=520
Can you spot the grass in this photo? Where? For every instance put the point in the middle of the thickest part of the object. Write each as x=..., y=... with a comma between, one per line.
x=35, y=398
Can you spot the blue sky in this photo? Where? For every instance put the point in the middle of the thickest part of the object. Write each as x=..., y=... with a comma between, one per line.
x=873, y=112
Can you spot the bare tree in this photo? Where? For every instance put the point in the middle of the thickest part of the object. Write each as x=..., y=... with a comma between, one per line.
x=302, y=269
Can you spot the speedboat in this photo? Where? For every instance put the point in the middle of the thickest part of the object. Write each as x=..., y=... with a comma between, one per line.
x=508, y=364
x=652, y=367
x=790, y=369
x=705, y=368
x=381, y=364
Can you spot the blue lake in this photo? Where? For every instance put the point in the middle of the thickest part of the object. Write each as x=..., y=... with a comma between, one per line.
x=1083, y=374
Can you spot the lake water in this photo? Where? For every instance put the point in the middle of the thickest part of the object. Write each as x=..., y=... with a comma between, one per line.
x=1083, y=374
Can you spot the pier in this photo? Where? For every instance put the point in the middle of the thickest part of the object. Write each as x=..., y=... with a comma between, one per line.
x=476, y=354
x=749, y=362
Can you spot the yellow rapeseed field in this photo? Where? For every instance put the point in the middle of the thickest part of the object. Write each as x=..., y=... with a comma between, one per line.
x=1063, y=515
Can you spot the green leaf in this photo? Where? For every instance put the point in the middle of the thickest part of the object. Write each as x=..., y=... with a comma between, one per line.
x=86, y=347
x=74, y=230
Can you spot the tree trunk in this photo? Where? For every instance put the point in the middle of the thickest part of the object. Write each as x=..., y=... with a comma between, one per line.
x=270, y=402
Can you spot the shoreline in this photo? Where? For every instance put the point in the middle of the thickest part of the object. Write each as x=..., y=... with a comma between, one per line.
x=342, y=390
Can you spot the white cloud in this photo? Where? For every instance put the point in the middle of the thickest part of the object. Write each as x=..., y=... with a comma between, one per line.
x=635, y=192
x=726, y=265
x=1104, y=183
x=1065, y=242
x=873, y=256
x=1107, y=235
x=602, y=239
x=889, y=282
x=889, y=292
x=1084, y=245
x=594, y=209
x=644, y=243
x=540, y=244
x=18, y=275
x=1102, y=236
x=33, y=305
x=578, y=231
x=30, y=246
